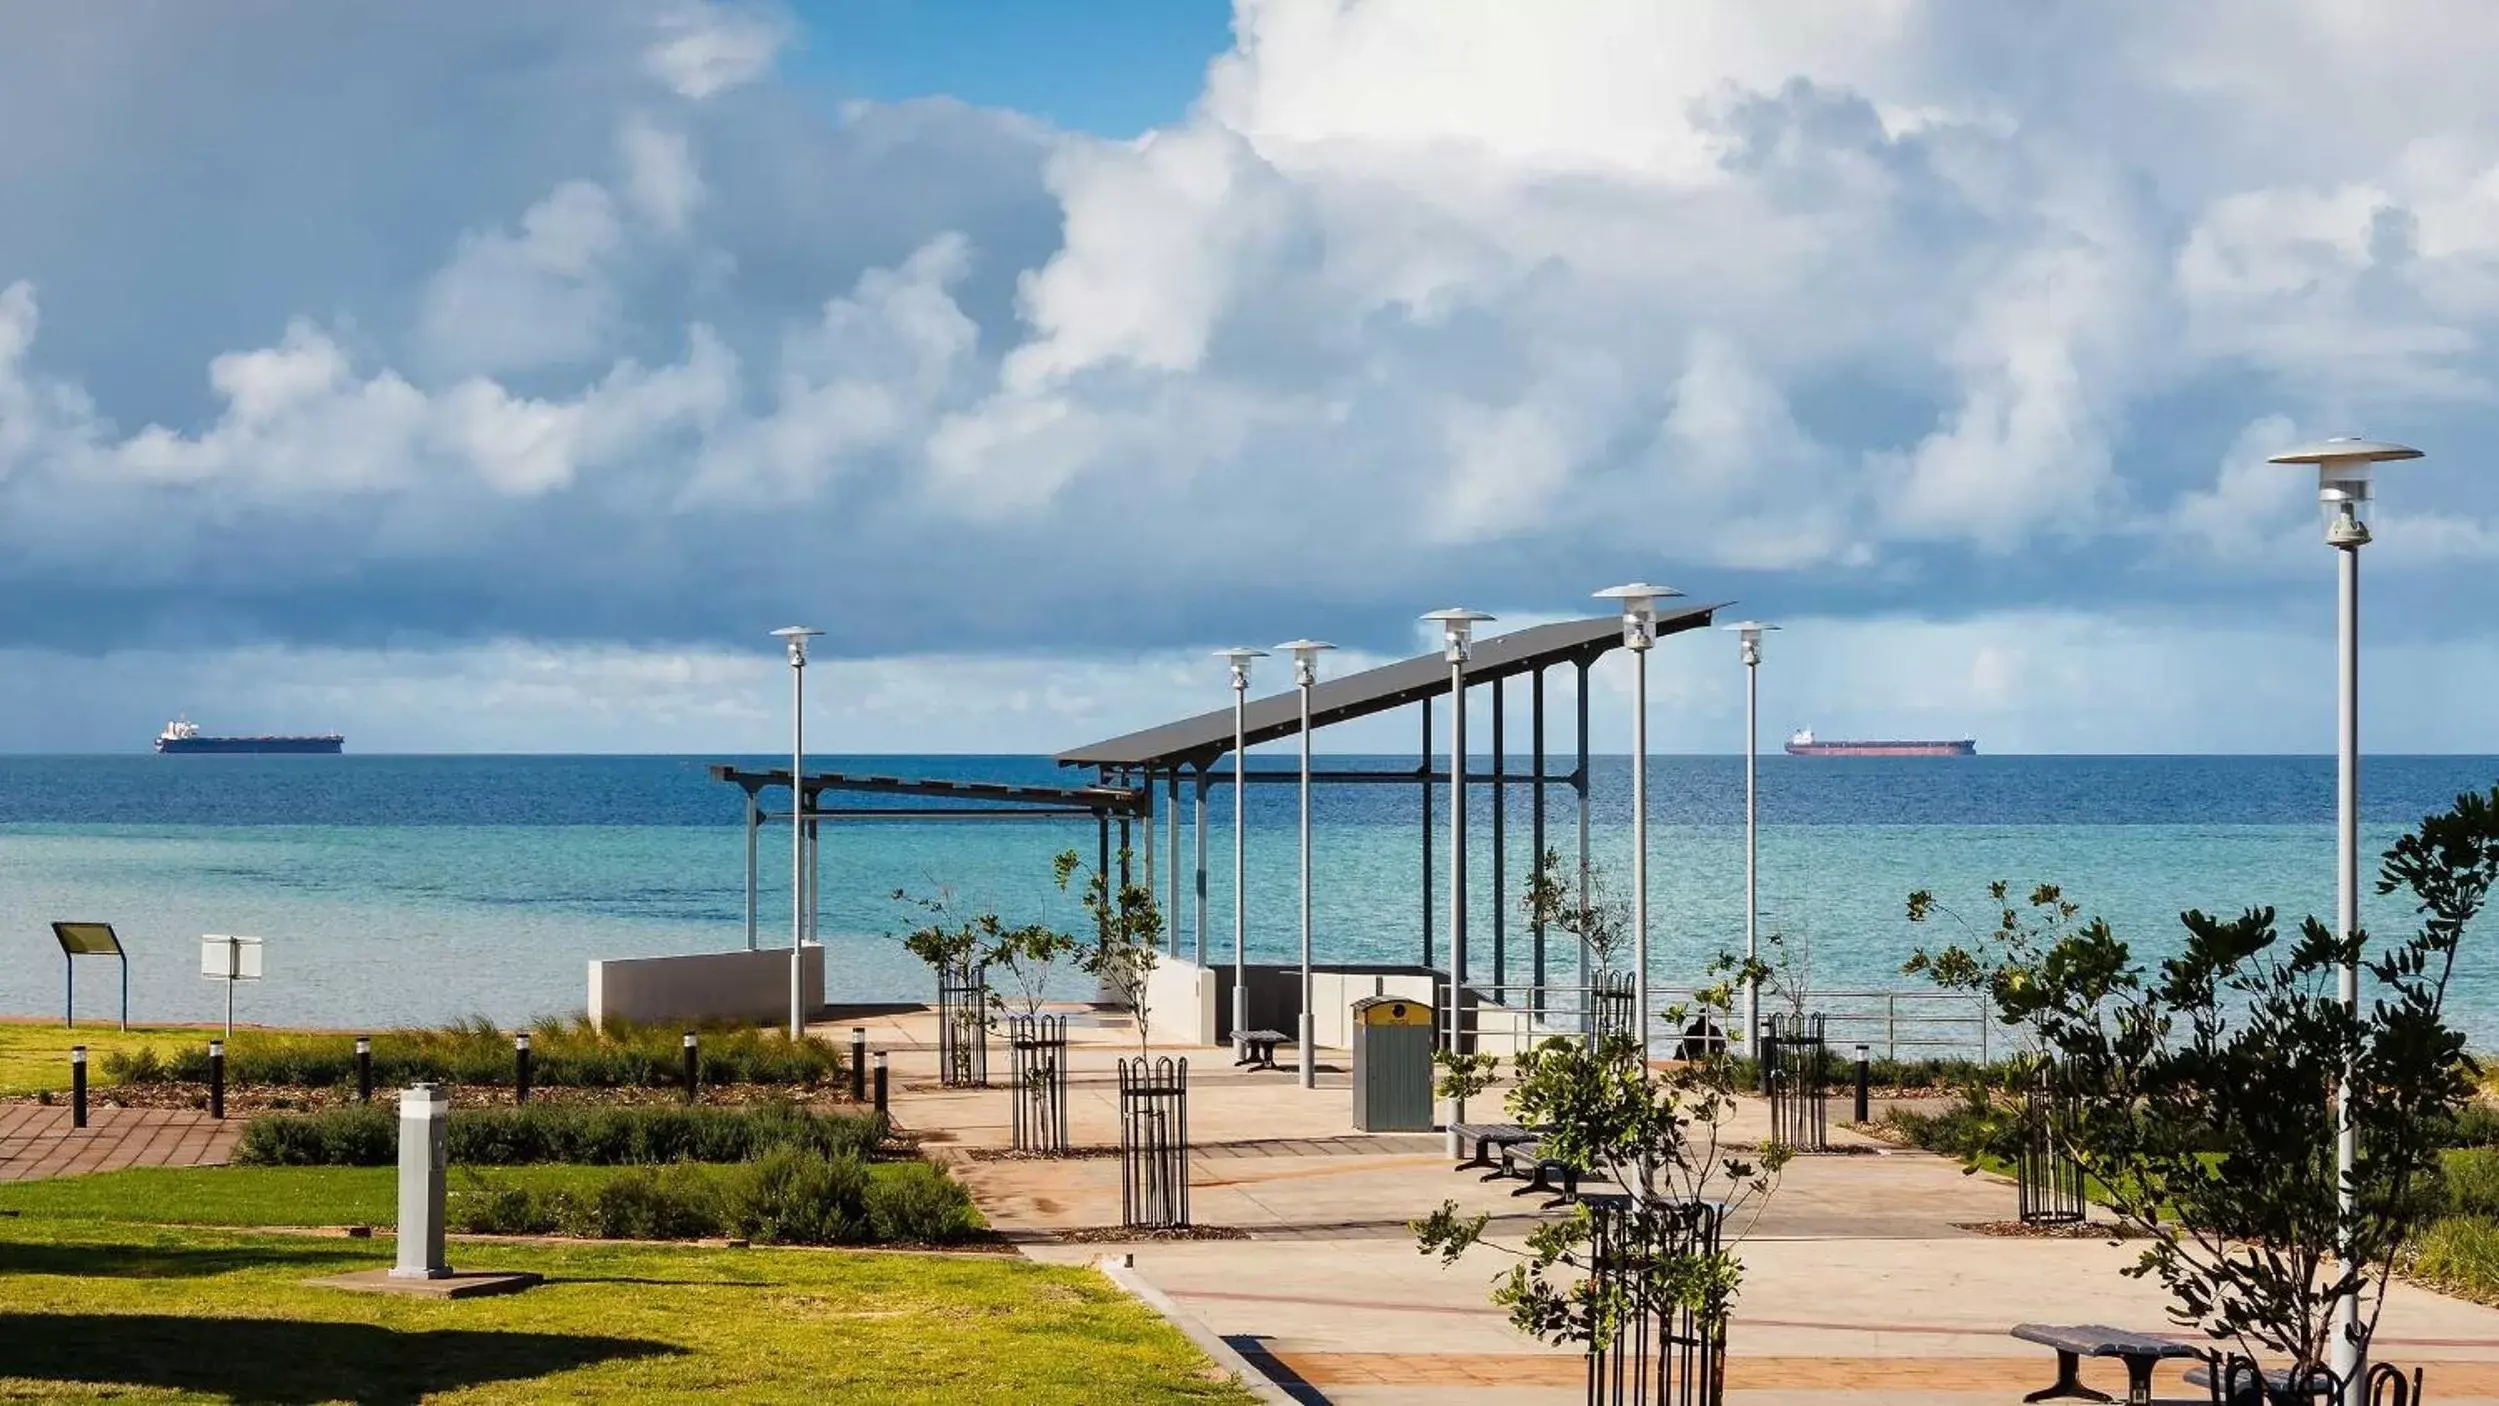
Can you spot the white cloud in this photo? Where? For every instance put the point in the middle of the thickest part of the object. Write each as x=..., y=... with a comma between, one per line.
x=541, y=297
x=661, y=180
x=712, y=48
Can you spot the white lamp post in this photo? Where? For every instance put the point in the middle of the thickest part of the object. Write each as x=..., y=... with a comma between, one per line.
x=1639, y=602
x=1240, y=657
x=1305, y=673
x=2343, y=493
x=796, y=636
x=1457, y=624
x=1749, y=633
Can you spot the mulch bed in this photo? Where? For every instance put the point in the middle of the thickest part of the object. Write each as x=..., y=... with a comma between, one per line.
x=1009, y=1154
x=250, y=1100
x=1120, y=1234
x=2088, y=1230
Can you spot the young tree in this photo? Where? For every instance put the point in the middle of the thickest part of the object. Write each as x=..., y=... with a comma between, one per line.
x=1128, y=941
x=2205, y=1089
x=1658, y=1134
x=1601, y=920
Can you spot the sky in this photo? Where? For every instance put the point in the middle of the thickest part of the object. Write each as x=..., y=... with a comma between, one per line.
x=472, y=376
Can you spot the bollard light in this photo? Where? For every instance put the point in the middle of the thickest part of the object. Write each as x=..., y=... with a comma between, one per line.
x=1863, y=1080
x=1639, y=605
x=364, y=1069
x=78, y=1086
x=520, y=1067
x=880, y=1081
x=858, y=1064
x=693, y=1066
x=216, y=1078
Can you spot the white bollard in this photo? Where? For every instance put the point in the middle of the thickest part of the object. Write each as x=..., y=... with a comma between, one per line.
x=423, y=1111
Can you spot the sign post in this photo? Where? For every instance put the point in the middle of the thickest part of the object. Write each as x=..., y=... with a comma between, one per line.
x=229, y=959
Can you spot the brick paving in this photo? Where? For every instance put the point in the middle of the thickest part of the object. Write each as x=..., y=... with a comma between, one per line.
x=36, y=1140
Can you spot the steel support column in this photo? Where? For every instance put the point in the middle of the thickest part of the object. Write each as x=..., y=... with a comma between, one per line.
x=1426, y=770
x=753, y=819
x=1536, y=830
x=1580, y=782
x=1171, y=853
x=1197, y=904
x=1500, y=848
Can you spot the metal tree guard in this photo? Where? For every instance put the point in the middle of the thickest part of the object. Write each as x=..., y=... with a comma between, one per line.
x=1038, y=1048
x=963, y=1025
x=2047, y=1181
x=1662, y=1352
x=1154, y=1143
x=1611, y=1000
x=1797, y=1063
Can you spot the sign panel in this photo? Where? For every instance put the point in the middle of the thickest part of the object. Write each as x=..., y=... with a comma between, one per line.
x=224, y=958
x=87, y=939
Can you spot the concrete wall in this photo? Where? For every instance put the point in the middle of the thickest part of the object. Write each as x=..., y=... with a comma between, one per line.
x=737, y=985
x=1180, y=1002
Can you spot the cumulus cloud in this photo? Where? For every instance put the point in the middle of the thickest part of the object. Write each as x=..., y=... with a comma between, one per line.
x=1419, y=299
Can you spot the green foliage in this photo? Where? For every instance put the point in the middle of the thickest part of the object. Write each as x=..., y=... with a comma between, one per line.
x=2471, y=1178
x=2476, y=1125
x=792, y=1196
x=1659, y=1134
x=368, y=1136
x=2000, y=962
x=563, y=1054
x=951, y=941
x=2459, y=1254
x=1600, y=919
x=1128, y=935
x=2206, y=1088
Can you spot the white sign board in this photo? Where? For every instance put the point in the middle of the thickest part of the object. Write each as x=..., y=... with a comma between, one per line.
x=225, y=958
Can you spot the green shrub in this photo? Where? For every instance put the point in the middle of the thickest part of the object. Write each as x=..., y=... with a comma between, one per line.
x=674, y=1203
x=563, y=1054
x=2476, y=1125
x=367, y=1136
x=358, y=1135
x=2461, y=1254
x=2472, y=1181
x=914, y=1201
x=491, y=1208
x=794, y=1197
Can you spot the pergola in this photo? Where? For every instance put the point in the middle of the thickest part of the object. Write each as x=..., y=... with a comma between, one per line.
x=1129, y=771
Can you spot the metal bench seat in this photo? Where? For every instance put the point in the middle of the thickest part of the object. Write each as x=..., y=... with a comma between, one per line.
x=1258, y=1047
x=2141, y=1352
x=1487, y=1139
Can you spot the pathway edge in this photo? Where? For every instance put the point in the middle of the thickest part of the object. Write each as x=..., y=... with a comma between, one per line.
x=1208, y=1341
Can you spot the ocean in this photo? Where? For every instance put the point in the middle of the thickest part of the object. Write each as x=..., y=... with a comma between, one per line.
x=395, y=890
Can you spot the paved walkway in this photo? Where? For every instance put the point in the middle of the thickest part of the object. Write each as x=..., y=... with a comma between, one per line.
x=36, y=1140
x=1862, y=1283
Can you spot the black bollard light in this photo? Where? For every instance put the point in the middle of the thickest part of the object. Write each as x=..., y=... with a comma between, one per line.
x=364, y=1069
x=859, y=1064
x=78, y=1086
x=1862, y=1080
x=216, y=1078
x=1765, y=1054
x=880, y=1081
x=692, y=1065
x=520, y=1068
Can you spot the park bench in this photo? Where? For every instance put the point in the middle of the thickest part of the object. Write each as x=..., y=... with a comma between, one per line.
x=2140, y=1352
x=1487, y=1139
x=2278, y=1384
x=1258, y=1047
x=1540, y=1171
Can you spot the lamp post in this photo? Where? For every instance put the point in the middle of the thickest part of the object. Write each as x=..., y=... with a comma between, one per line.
x=1305, y=673
x=796, y=636
x=1748, y=633
x=1639, y=602
x=1239, y=657
x=1457, y=625
x=2343, y=494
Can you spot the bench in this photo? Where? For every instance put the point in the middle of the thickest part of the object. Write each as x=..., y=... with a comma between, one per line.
x=1487, y=1138
x=2277, y=1382
x=1541, y=1173
x=2140, y=1352
x=1258, y=1047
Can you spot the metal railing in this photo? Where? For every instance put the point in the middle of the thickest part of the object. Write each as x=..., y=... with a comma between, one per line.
x=1938, y=1024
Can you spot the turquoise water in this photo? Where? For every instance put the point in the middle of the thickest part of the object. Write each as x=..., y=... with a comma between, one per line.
x=415, y=889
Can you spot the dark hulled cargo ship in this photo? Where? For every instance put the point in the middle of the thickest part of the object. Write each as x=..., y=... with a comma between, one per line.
x=1804, y=745
x=182, y=736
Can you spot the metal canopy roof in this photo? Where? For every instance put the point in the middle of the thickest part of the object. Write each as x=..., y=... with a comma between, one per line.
x=1111, y=800
x=1207, y=736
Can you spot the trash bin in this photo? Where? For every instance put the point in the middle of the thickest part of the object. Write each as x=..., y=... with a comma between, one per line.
x=1393, y=1043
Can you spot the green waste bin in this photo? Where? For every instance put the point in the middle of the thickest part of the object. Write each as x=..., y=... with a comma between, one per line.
x=1393, y=1042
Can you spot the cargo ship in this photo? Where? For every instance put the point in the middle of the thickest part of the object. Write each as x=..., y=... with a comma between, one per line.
x=184, y=736
x=1803, y=745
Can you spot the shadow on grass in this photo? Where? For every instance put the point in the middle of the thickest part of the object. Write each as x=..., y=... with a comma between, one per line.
x=122, y=1260
x=289, y=1361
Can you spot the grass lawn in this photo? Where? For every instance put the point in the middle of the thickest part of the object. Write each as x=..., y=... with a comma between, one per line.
x=90, y=1309
x=283, y=1196
x=36, y=1057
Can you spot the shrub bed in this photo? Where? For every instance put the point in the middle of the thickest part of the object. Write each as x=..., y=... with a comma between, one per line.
x=360, y=1135
x=791, y=1196
x=562, y=1053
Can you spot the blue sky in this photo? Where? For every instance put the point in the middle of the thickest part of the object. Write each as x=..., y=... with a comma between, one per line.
x=1112, y=67
x=495, y=377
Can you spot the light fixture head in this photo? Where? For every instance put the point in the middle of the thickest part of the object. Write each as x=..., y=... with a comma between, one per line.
x=1457, y=626
x=1239, y=656
x=1305, y=659
x=2343, y=469
x=796, y=637
x=1639, y=601
x=1748, y=633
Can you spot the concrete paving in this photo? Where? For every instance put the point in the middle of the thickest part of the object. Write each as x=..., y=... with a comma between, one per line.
x=1862, y=1282
x=37, y=1140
